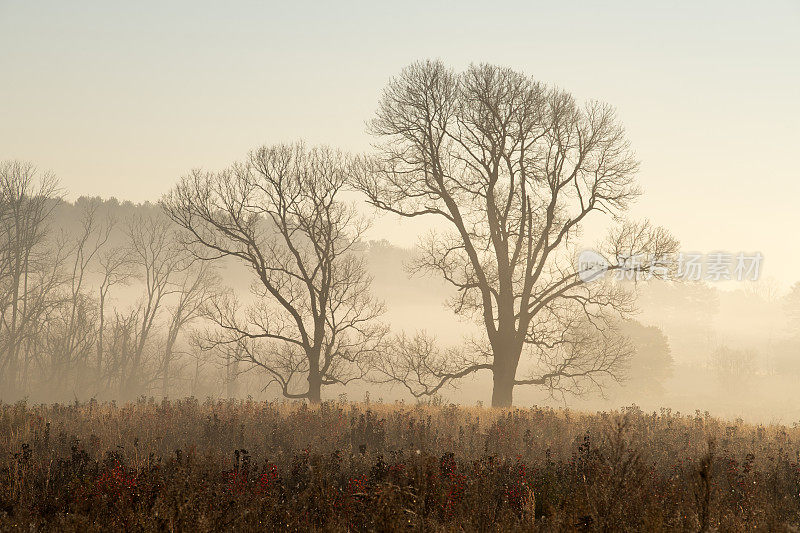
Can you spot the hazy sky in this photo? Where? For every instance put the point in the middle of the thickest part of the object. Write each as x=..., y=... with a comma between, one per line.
x=121, y=98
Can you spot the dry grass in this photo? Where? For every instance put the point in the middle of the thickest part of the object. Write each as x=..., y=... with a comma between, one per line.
x=187, y=466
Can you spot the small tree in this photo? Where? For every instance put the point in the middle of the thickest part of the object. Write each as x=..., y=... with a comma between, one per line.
x=734, y=368
x=651, y=362
x=280, y=214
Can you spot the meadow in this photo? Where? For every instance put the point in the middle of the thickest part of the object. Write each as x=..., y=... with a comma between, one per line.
x=244, y=465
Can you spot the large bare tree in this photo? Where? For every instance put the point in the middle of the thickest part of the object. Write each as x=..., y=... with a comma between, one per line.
x=280, y=213
x=513, y=169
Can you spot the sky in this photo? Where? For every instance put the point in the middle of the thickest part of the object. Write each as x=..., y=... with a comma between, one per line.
x=122, y=98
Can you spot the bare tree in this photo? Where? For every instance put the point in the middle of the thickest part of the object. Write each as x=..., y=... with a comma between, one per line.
x=27, y=198
x=120, y=338
x=226, y=356
x=40, y=308
x=160, y=263
x=114, y=268
x=76, y=327
x=734, y=368
x=514, y=169
x=232, y=358
x=194, y=291
x=280, y=214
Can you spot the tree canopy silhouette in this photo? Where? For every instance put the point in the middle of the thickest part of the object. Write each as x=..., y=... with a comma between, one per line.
x=515, y=169
x=280, y=213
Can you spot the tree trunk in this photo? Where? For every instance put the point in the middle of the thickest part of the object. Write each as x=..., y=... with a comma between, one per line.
x=173, y=335
x=505, y=350
x=231, y=376
x=504, y=371
x=314, y=388
x=502, y=389
x=100, y=329
x=165, y=381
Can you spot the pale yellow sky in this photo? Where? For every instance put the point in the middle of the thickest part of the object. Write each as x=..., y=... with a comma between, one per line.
x=120, y=100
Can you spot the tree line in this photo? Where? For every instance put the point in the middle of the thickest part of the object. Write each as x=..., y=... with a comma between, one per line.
x=511, y=169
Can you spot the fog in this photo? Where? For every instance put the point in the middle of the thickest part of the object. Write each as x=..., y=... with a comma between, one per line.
x=727, y=348
x=120, y=280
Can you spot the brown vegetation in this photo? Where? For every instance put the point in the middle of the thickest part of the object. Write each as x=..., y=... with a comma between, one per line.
x=286, y=466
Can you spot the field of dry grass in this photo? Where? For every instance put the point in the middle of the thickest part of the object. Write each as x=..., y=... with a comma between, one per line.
x=190, y=466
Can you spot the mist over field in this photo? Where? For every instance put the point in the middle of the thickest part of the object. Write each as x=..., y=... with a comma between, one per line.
x=730, y=349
